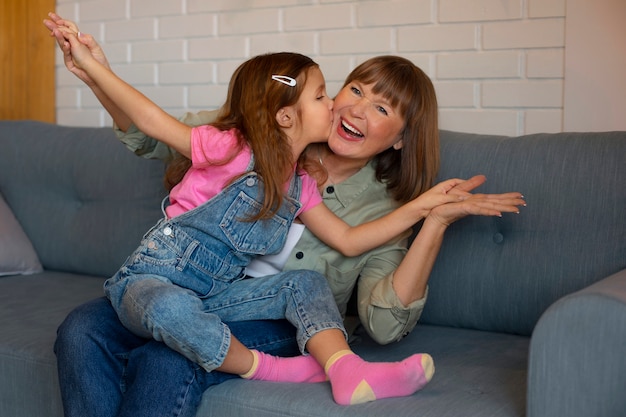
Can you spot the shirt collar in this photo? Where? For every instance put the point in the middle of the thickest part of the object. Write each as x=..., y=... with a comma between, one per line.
x=348, y=190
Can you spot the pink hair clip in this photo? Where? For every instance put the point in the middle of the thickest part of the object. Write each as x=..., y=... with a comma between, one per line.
x=291, y=82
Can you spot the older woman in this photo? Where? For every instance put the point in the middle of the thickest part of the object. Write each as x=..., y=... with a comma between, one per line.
x=383, y=151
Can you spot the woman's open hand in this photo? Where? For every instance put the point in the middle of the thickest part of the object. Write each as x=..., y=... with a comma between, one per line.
x=478, y=204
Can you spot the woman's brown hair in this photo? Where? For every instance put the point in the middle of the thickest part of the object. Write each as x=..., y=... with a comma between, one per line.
x=411, y=170
x=252, y=102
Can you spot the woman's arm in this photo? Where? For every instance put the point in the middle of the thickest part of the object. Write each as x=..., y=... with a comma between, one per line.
x=411, y=277
x=390, y=302
x=146, y=147
x=390, y=306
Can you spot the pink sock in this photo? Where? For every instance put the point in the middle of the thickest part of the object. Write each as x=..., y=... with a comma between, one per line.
x=295, y=369
x=355, y=381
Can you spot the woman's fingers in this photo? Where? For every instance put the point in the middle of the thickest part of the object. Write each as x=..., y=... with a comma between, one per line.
x=479, y=205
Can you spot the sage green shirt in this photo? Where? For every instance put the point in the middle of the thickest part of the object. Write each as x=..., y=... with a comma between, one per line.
x=358, y=199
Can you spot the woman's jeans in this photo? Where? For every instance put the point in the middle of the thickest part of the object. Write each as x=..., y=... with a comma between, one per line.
x=107, y=371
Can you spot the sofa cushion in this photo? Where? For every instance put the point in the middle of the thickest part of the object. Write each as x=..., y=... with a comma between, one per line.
x=17, y=255
x=500, y=274
x=86, y=204
x=477, y=374
x=31, y=309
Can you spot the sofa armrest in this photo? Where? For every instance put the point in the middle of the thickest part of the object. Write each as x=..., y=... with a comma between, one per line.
x=577, y=362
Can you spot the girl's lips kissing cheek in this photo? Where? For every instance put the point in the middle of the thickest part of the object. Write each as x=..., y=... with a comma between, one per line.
x=347, y=131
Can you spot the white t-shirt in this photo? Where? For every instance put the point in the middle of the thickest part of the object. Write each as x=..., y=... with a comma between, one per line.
x=273, y=264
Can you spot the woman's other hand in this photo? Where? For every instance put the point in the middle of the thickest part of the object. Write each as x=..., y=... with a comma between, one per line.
x=478, y=205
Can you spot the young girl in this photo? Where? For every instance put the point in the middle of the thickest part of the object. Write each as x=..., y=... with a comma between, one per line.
x=236, y=202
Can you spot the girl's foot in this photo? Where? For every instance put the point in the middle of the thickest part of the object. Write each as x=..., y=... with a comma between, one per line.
x=356, y=381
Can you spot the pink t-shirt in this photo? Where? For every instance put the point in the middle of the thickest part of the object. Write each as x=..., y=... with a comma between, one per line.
x=207, y=176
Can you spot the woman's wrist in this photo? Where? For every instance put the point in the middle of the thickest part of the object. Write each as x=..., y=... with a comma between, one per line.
x=418, y=209
x=436, y=221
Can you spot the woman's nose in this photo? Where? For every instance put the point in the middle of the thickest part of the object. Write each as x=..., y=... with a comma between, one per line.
x=358, y=107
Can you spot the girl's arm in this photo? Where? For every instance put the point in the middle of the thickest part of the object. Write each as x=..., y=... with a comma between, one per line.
x=150, y=148
x=146, y=115
x=355, y=240
x=58, y=26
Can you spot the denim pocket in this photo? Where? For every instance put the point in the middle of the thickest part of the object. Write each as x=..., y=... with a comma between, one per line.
x=154, y=256
x=160, y=259
x=260, y=237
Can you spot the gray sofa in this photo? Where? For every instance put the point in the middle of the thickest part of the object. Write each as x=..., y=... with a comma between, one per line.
x=526, y=315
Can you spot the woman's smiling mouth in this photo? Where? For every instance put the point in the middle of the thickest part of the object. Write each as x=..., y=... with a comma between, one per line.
x=350, y=130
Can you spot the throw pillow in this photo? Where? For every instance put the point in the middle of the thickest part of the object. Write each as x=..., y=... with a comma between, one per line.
x=17, y=255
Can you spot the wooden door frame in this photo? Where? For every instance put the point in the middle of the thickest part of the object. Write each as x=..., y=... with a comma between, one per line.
x=27, y=80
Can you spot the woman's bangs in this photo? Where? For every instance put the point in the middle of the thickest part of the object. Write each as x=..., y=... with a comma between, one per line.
x=390, y=81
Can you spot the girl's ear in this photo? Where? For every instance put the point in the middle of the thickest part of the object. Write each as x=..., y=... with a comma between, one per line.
x=398, y=145
x=285, y=117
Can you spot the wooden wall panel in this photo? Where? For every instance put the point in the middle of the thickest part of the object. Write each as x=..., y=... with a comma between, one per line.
x=27, y=81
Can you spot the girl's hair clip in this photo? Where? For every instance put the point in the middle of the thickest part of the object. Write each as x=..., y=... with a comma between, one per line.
x=291, y=82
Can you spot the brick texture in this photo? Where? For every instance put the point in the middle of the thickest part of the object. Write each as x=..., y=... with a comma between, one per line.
x=497, y=65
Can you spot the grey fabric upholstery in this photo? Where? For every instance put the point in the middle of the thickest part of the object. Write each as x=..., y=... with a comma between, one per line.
x=581, y=339
x=470, y=380
x=501, y=274
x=31, y=309
x=84, y=201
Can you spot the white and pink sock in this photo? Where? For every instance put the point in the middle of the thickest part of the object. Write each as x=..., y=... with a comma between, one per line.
x=356, y=381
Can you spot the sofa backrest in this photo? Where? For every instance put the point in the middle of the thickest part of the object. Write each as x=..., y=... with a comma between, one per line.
x=82, y=198
x=500, y=274
x=85, y=201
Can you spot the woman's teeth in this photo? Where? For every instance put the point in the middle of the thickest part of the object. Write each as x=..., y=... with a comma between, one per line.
x=351, y=130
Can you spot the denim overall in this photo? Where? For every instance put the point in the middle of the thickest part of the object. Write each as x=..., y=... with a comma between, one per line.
x=204, y=252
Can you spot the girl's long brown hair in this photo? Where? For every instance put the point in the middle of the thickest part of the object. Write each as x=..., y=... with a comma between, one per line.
x=411, y=170
x=252, y=103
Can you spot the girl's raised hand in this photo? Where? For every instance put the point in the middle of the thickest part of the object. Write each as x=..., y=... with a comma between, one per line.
x=449, y=191
x=61, y=29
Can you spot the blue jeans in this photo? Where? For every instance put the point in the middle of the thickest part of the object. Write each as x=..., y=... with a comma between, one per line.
x=107, y=371
x=193, y=326
x=187, y=277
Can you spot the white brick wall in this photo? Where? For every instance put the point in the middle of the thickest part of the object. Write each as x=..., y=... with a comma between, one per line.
x=497, y=65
